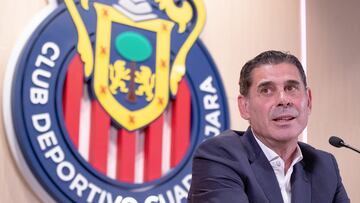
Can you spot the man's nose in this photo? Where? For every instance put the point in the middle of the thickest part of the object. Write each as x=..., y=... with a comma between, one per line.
x=284, y=99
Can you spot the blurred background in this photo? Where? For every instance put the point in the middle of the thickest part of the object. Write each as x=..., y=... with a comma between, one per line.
x=324, y=34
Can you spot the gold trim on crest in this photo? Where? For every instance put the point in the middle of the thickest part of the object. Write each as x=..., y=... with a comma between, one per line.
x=157, y=86
x=131, y=120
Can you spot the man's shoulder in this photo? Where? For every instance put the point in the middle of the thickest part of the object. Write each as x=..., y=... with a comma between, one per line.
x=309, y=150
x=316, y=158
x=228, y=137
x=324, y=174
x=228, y=144
x=225, y=136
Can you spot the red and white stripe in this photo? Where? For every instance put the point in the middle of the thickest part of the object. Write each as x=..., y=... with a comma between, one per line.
x=133, y=157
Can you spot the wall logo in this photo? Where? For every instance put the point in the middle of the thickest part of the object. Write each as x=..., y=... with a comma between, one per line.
x=109, y=99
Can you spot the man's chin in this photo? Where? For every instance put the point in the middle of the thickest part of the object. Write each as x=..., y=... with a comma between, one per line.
x=283, y=135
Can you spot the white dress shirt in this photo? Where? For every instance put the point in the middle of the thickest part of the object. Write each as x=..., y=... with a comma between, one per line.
x=278, y=166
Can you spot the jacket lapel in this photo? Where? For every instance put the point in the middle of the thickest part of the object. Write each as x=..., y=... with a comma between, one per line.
x=300, y=184
x=262, y=169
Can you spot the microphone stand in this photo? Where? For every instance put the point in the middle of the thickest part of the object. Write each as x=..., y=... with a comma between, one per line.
x=350, y=147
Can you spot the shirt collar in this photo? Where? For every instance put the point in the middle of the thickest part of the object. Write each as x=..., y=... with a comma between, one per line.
x=271, y=155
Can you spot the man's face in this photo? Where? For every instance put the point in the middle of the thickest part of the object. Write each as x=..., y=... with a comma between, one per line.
x=278, y=104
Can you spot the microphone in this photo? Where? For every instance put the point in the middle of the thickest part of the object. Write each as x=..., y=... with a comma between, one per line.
x=338, y=142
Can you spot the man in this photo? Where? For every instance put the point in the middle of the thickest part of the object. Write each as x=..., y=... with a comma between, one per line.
x=267, y=163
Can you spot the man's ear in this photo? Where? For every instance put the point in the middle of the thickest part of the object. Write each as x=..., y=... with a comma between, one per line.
x=243, y=104
x=309, y=104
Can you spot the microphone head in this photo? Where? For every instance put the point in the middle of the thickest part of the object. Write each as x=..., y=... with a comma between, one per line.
x=336, y=141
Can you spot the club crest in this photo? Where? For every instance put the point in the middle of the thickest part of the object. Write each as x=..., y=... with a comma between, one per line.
x=108, y=99
x=131, y=68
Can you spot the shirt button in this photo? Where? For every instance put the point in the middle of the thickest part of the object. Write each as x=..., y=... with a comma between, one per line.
x=278, y=164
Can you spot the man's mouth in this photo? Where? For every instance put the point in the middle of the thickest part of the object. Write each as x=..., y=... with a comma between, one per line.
x=284, y=118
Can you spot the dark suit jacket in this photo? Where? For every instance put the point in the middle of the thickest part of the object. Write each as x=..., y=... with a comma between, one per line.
x=232, y=168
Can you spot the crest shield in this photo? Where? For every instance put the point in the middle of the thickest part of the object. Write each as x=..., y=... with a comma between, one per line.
x=155, y=78
x=151, y=82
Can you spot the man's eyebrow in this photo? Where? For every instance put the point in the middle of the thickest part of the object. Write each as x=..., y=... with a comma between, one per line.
x=292, y=82
x=265, y=84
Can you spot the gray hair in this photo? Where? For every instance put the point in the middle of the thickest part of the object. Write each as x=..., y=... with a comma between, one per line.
x=267, y=57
